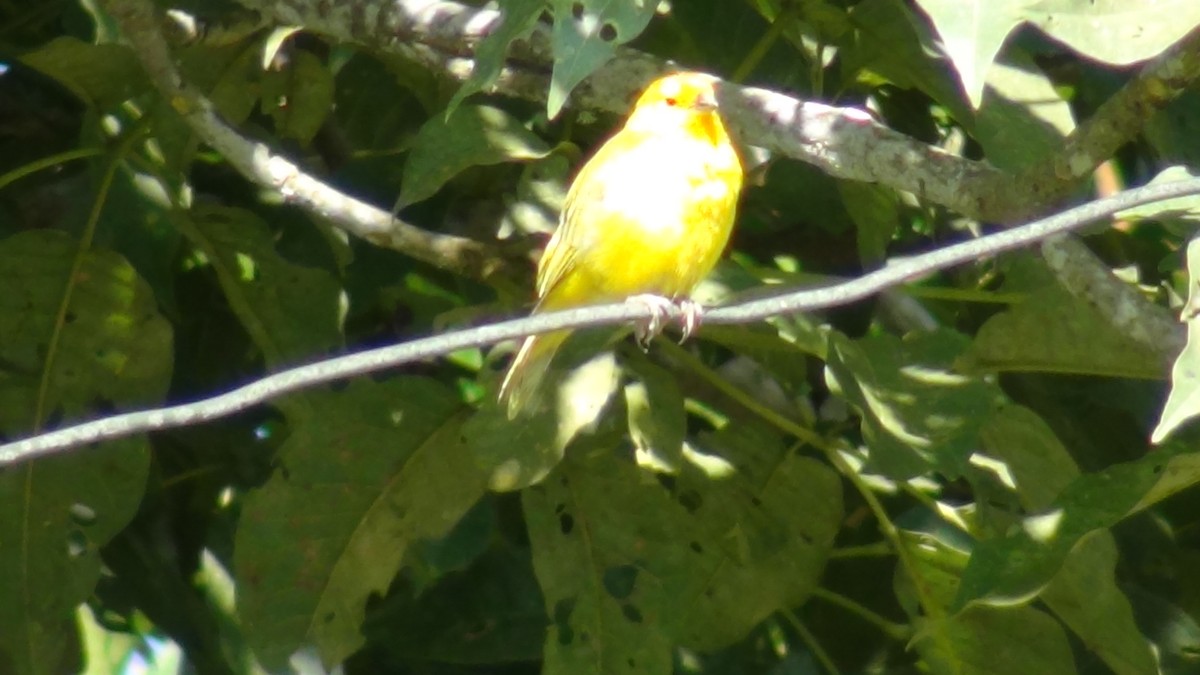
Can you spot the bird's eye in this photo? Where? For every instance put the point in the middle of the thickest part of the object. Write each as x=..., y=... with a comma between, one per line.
x=671, y=101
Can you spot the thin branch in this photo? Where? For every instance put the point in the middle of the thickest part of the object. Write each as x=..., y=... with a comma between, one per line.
x=844, y=142
x=374, y=360
x=260, y=164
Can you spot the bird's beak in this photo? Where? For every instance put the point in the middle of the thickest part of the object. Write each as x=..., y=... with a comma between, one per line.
x=705, y=102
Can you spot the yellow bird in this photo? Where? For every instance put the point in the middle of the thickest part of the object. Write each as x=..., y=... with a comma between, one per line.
x=645, y=220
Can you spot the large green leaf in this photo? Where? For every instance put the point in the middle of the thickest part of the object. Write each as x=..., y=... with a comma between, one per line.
x=1054, y=331
x=1084, y=593
x=1023, y=118
x=100, y=75
x=628, y=567
x=1014, y=568
x=918, y=414
x=380, y=468
x=1119, y=32
x=291, y=312
x=1184, y=401
x=74, y=342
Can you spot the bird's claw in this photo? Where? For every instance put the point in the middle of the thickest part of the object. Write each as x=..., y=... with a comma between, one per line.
x=660, y=308
x=692, y=313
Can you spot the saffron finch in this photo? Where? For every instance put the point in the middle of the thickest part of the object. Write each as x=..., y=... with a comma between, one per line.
x=645, y=219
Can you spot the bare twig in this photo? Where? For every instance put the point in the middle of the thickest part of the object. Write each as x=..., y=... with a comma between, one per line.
x=288, y=381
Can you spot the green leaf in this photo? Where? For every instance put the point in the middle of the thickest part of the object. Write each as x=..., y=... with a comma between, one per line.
x=490, y=613
x=108, y=349
x=1181, y=208
x=1023, y=119
x=917, y=413
x=100, y=75
x=770, y=515
x=1120, y=32
x=1084, y=593
x=657, y=421
x=586, y=35
x=298, y=97
x=380, y=468
x=290, y=311
x=1012, y=569
x=972, y=32
x=629, y=567
x=989, y=641
x=876, y=215
x=518, y=18
x=473, y=135
x=1183, y=403
x=889, y=42
x=519, y=453
x=1053, y=331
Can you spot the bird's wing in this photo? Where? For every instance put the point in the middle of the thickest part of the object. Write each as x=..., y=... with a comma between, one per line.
x=584, y=198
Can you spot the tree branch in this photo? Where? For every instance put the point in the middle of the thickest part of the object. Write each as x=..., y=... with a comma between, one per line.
x=260, y=164
x=844, y=142
x=899, y=271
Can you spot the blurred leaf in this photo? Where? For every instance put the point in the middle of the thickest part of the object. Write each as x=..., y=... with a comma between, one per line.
x=519, y=453
x=518, y=19
x=972, y=32
x=238, y=87
x=917, y=413
x=1013, y=568
x=876, y=215
x=100, y=75
x=888, y=41
x=291, y=312
x=381, y=467
x=1053, y=331
x=1023, y=119
x=1119, y=32
x=983, y=641
x=1183, y=403
x=473, y=135
x=657, y=421
x=1084, y=593
x=299, y=96
x=586, y=35
x=79, y=336
x=1180, y=208
x=488, y=614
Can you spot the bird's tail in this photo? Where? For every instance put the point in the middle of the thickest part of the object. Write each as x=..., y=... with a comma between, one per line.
x=525, y=374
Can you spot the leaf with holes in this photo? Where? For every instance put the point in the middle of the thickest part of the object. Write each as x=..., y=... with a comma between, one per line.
x=380, y=468
x=100, y=347
x=586, y=35
x=629, y=566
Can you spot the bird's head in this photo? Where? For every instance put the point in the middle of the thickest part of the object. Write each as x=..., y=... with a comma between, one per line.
x=677, y=101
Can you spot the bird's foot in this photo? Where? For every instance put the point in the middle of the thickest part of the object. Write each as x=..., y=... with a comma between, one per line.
x=692, y=313
x=660, y=308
